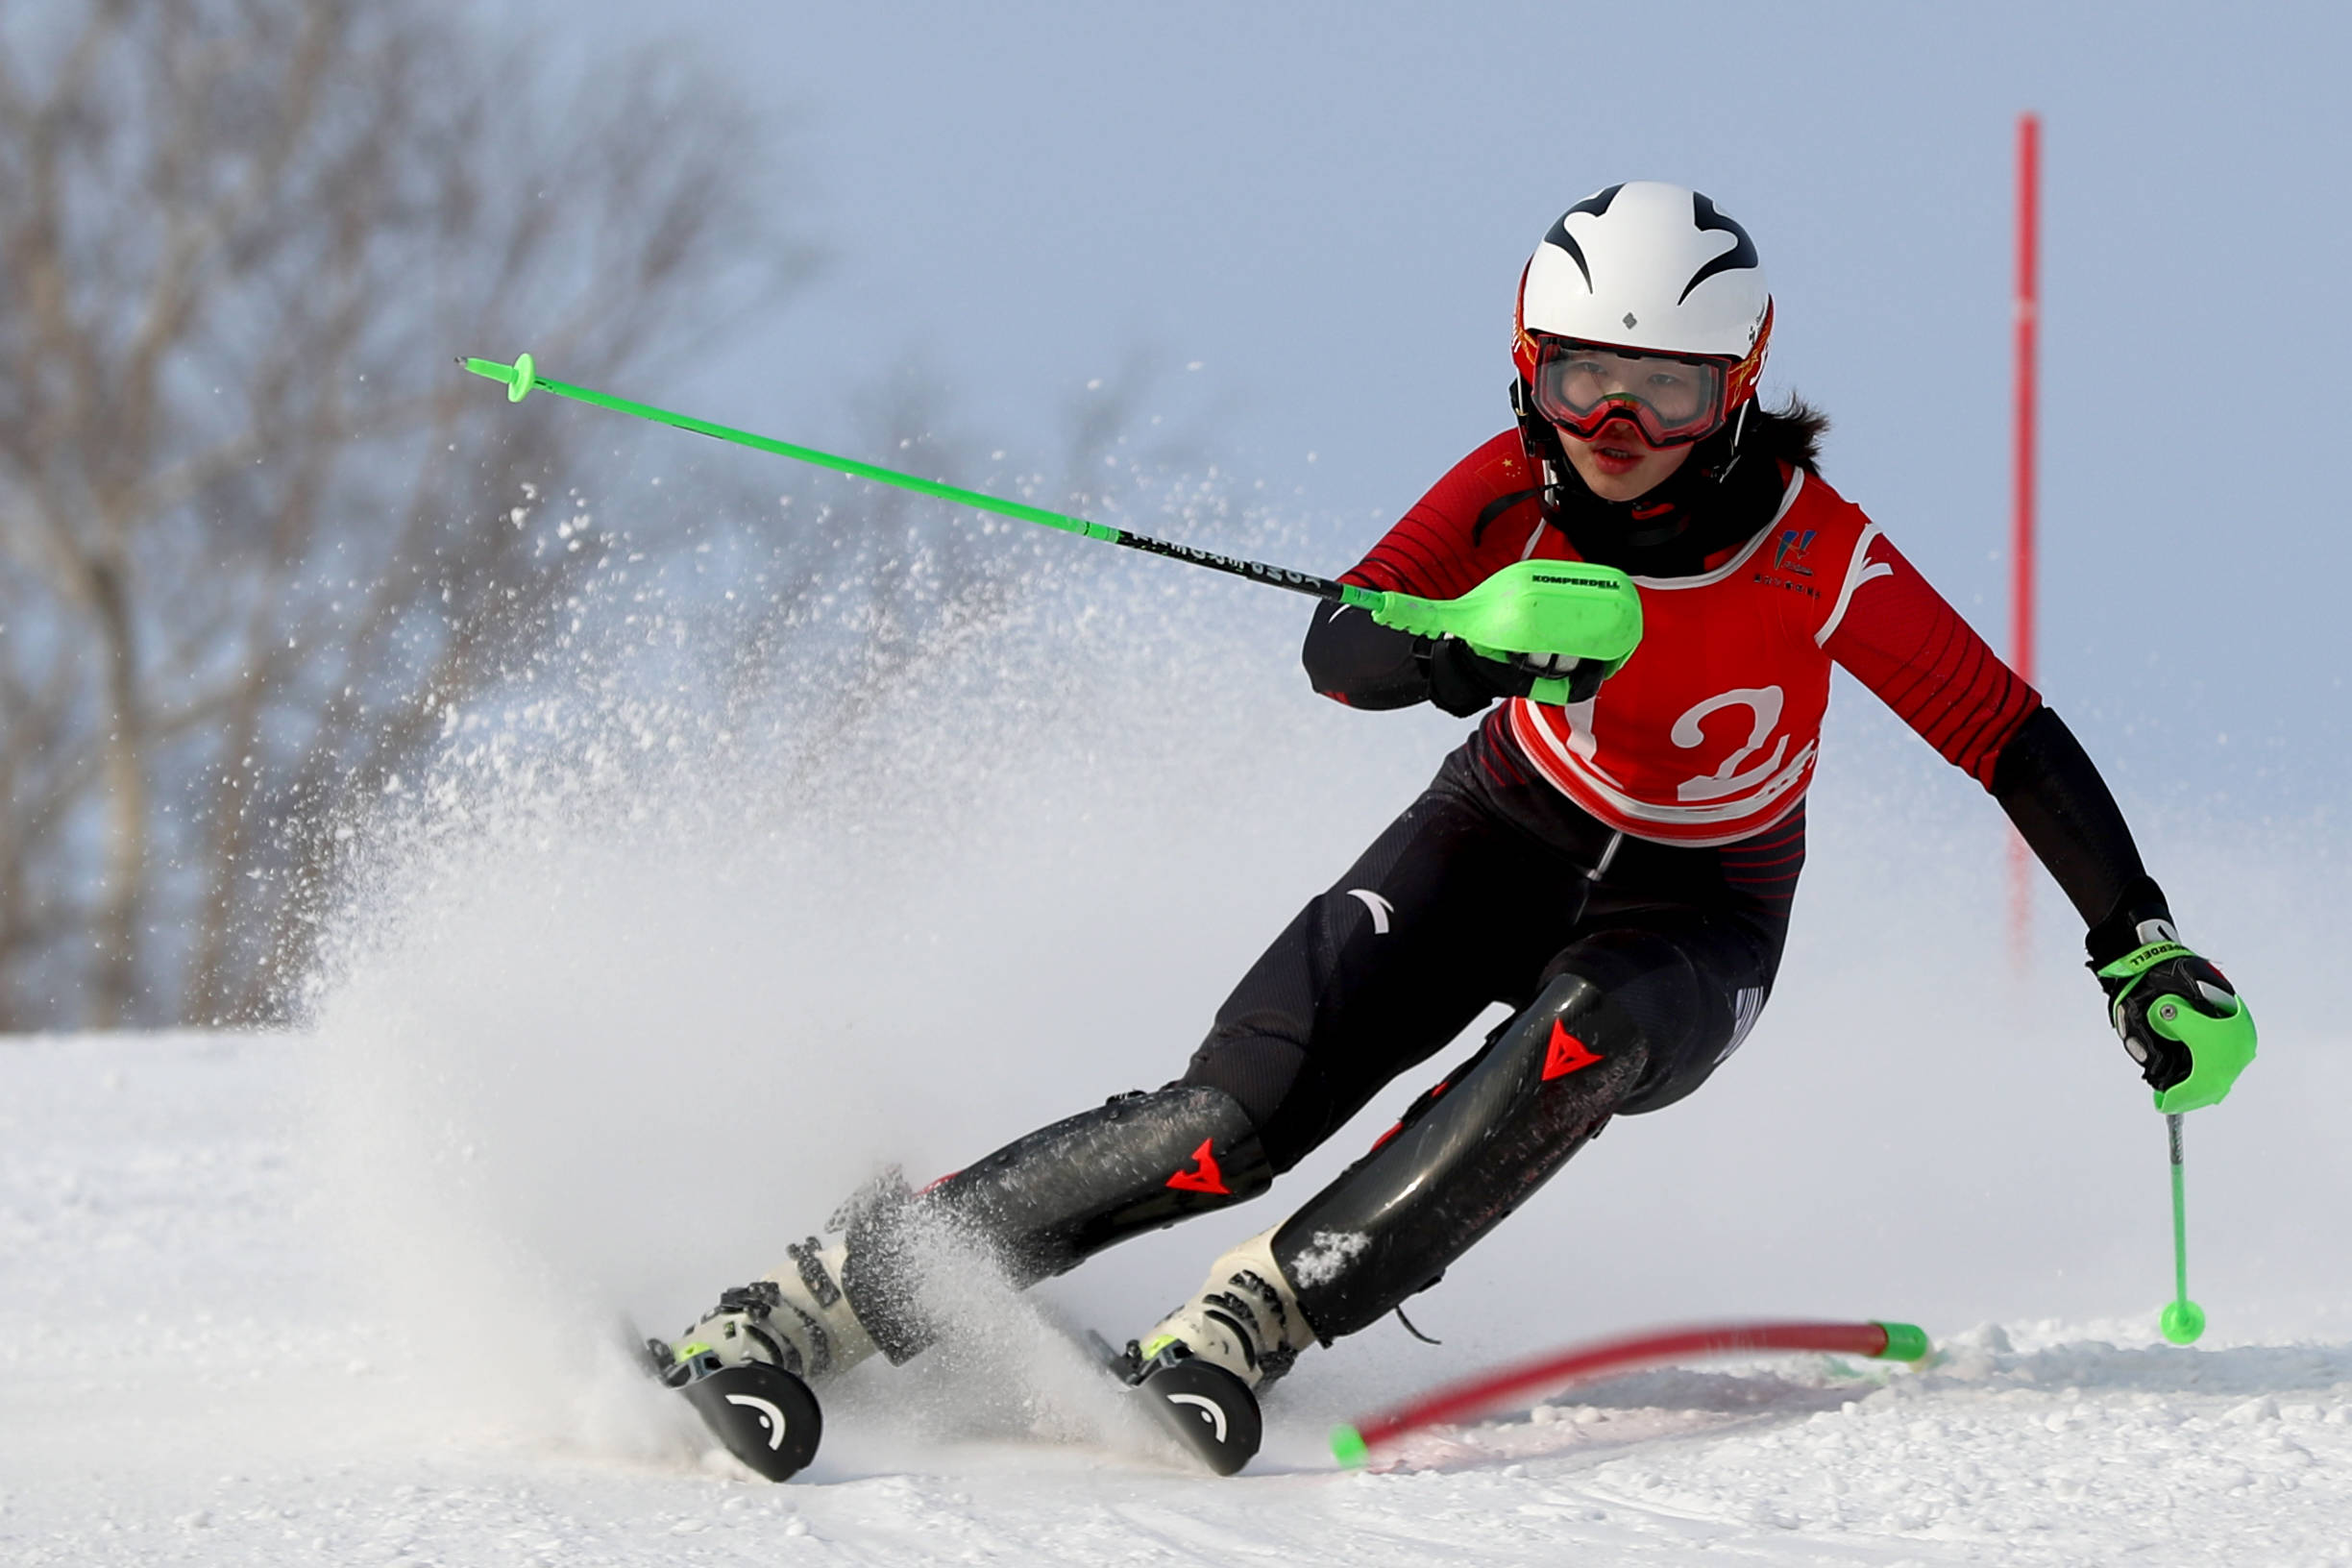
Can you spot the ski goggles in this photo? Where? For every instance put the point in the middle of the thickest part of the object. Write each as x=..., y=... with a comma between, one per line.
x=1672, y=398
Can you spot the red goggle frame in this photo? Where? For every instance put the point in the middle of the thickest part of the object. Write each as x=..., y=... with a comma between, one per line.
x=1672, y=399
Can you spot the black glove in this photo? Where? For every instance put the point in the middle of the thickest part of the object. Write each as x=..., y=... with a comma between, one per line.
x=1463, y=681
x=2153, y=982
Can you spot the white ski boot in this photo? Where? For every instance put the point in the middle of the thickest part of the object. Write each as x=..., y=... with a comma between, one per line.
x=795, y=1318
x=1199, y=1367
x=747, y=1366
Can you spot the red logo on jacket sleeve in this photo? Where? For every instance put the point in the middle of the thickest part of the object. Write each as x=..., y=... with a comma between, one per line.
x=1567, y=1053
x=1204, y=1176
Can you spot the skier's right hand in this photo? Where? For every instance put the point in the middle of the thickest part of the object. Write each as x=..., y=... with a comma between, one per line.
x=1463, y=681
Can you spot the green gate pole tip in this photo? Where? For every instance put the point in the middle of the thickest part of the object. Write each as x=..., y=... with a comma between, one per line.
x=1349, y=1448
x=1905, y=1342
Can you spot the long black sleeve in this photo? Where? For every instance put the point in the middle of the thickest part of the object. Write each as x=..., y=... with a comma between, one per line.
x=2047, y=783
x=1352, y=658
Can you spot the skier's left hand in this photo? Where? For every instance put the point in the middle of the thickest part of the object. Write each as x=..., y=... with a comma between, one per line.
x=1463, y=681
x=2180, y=1019
x=1582, y=675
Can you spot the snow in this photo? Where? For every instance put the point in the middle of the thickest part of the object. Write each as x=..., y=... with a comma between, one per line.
x=1326, y=1253
x=605, y=1025
x=193, y=1372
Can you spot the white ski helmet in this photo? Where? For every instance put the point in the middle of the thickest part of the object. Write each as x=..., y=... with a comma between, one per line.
x=1644, y=302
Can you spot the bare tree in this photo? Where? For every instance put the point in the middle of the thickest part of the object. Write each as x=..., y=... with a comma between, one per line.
x=258, y=538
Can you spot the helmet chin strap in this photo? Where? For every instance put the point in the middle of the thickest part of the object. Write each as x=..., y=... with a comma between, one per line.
x=1739, y=428
x=1546, y=458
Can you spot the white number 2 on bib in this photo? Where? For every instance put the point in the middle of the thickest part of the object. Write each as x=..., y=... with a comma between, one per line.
x=1765, y=703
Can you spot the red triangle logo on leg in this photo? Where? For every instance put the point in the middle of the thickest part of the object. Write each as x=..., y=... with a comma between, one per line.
x=1204, y=1176
x=1567, y=1053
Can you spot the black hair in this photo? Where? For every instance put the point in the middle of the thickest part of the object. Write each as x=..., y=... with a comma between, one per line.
x=1791, y=433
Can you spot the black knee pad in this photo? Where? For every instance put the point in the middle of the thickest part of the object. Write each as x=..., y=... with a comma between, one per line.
x=1257, y=1069
x=1690, y=1013
x=1277, y=1085
x=1651, y=978
x=1393, y=1222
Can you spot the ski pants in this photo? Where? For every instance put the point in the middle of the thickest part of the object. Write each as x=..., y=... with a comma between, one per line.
x=1631, y=969
x=1484, y=891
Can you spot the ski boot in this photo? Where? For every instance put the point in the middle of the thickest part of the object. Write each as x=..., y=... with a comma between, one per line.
x=1198, y=1370
x=1035, y=1208
x=746, y=1367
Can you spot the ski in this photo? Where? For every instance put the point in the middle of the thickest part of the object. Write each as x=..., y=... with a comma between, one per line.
x=1206, y=1408
x=763, y=1414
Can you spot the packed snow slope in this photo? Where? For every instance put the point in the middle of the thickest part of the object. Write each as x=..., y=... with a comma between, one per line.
x=184, y=1380
x=624, y=998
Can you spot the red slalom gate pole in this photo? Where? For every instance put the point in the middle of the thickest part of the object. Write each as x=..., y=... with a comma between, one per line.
x=2022, y=495
x=1352, y=1445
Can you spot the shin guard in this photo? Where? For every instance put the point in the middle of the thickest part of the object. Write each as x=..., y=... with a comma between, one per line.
x=1044, y=1203
x=1463, y=1158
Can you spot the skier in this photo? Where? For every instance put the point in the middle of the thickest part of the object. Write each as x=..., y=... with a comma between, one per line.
x=1617, y=869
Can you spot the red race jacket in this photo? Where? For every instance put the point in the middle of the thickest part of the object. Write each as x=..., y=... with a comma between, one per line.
x=1710, y=732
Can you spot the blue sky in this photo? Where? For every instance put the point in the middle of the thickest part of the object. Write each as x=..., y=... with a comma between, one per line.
x=1326, y=208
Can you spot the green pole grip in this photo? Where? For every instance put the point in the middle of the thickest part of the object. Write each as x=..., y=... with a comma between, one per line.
x=2220, y=1049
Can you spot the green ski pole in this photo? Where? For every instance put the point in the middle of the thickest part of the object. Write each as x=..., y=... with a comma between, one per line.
x=1565, y=609
x=2183, y=1319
